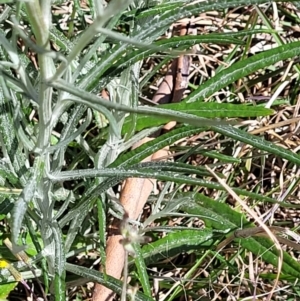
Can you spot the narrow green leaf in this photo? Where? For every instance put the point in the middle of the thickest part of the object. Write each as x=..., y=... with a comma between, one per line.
x=151, y=29
x=87, y=63
x=74, y=117
x=258, y=142
x=64, y=142
x=118, y=174
x=59, y=287
x=5, y=289
x=176, y=167
x=217, y=155
x=206, y=110
x=142, y=270
x=6, y=206
x=176, y=243
x=103, y=105
x=179, y=43
x=220, y=216
x=6, y=173
x=111, y=283
x=158, y=9
x=21, y=207
x=10, y=144
x=25, y=197
x=228, y=220
x=147, y=149
x=53, y=240
x=102, y=229
x=61, y=40
x=76, y=222
x=243, y=68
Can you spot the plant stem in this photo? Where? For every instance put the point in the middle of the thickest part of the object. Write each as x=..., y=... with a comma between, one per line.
x=40, y=19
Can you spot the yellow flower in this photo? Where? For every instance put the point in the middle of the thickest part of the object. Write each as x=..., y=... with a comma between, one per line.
x=6, y=265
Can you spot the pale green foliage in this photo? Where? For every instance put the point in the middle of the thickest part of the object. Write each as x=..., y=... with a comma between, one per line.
x=47, y=115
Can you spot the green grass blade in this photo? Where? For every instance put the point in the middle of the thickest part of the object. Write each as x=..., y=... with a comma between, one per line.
x=221, y=217
x=244, y=68
x=110, y=282
x=258, y=142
